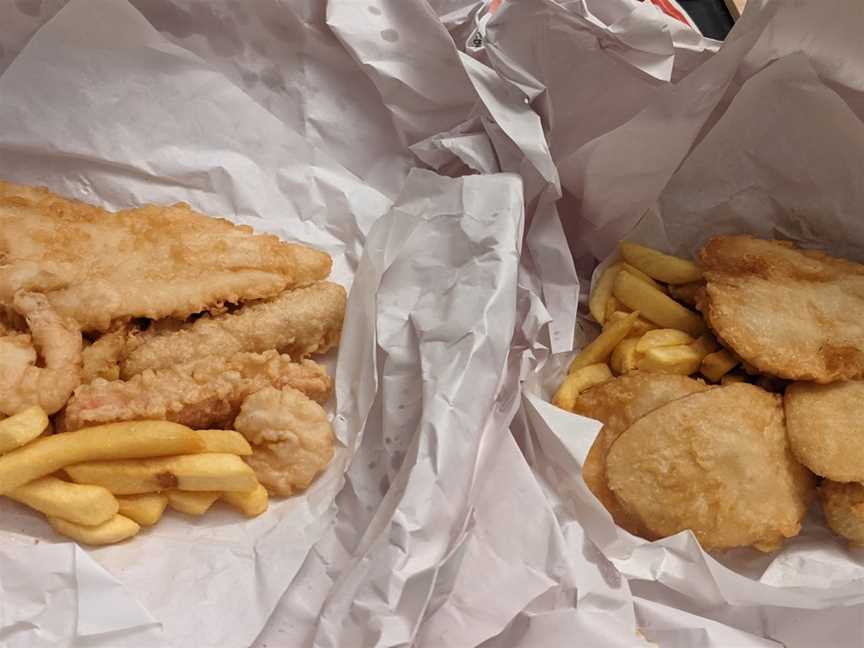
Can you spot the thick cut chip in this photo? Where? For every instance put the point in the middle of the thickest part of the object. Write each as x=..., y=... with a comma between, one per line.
x=790, y=313
x=717, y=463
x=843, y=505
x=826, y=428
x=617, y=404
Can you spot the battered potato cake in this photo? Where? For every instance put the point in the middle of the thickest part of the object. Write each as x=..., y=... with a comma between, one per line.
x=716, y=462
x=826, y=429
x=788, y=312
x=617, y=404
x=843, y=505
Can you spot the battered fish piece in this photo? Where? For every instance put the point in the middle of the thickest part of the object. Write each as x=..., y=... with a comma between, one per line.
x=298, y=322
x=292, y=441
x=788, y=312
x=843, y=505
x=102, y=357
x=95, y=266
x=618, y=404
x=717, y=463
x=201, y=394
x=826, y=428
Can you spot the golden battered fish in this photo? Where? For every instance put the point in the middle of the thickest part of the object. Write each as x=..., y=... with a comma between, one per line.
x=297, y=322
x=96, y=266
x=843, y=505
x=826, y=428
x=618, y=404
x=791, y=313
x=717, y=463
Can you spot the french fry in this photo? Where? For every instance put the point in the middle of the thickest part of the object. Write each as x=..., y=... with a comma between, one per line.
x=636, y=272
x=640, y=327
x=251, y=504
x=615, y=306
x=21, y=428
x=192, y=472
x=661, y=338
x=687, y=293
x=117, y=529
x=192, y=502
x=146, y=509
x=625, y=358
x=228, y=441
x=126, y=440
x=662, y=267
x=683, y=360
x=578, y=381
x=653, y=305
x=718, y=364
x=732, y=378
x=78, y=503
x=602, y=292
x=601, y=347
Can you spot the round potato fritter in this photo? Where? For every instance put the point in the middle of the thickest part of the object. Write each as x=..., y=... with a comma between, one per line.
x=617, y=404
x=717, y=463
x=843, y=505
x=826, y=430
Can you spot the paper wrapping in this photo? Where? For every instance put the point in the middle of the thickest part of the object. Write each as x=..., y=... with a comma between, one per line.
x=305, y=118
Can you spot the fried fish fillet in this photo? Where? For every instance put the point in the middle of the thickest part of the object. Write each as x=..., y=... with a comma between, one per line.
x=715, y=462
x=826, y=428
x=791, y=313
x=843, y=505
x=618, y=404
x=297, y=322
x=95, y=266
x=201, y=394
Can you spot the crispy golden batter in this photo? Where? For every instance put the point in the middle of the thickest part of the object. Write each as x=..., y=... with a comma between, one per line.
x=791, y=313
x=826, y=428
x=102, y=357
x=292, y=441
x=843, y=505
x=297, y=322
x=717, y=463
x=201, y=394
x=95, y=266
x=23, y=380
x=618, y=404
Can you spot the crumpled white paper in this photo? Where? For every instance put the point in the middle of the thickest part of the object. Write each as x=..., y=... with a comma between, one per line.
x=765, y=138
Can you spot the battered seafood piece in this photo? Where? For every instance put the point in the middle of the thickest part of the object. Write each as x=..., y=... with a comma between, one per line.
x=292, y=441
x=843, y=505
x=102, y=358
x=22, y=381
x=826, y=428
x=201, y=394
x=788, y=312
x=618, y=404
x=298, y=322
x=96, y=267
x=716, y=463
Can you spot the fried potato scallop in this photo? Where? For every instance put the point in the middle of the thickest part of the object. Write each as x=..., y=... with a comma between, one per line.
x=843, y=505
x=826, y=430
x=717, y=463
x=617, y=404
